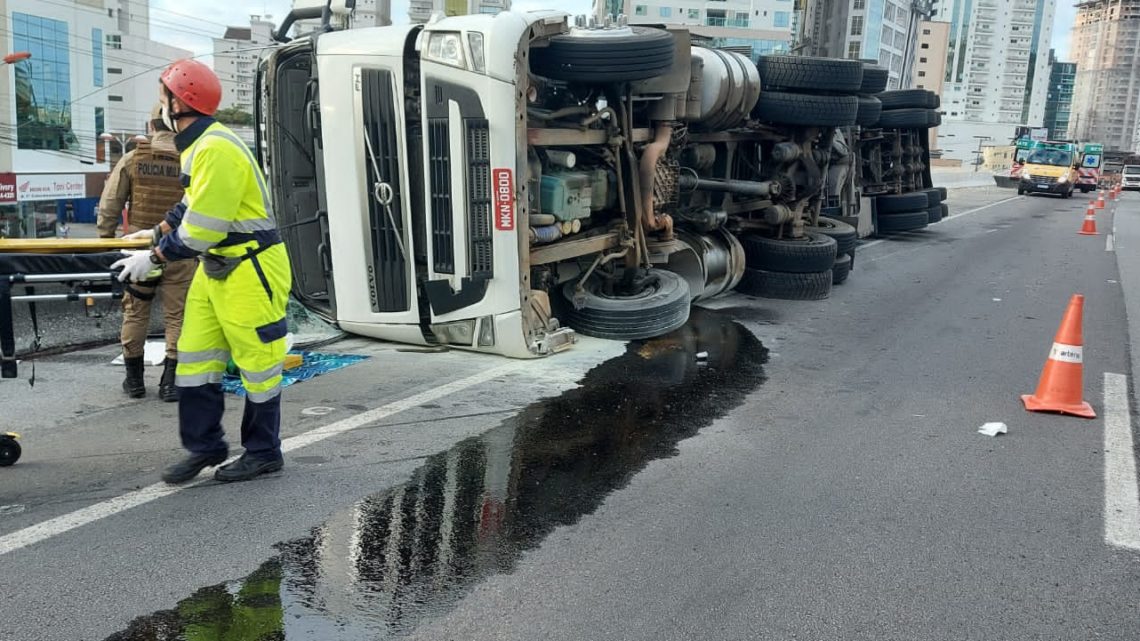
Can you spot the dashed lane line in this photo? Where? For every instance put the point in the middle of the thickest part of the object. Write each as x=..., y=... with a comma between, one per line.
x=1121, y=499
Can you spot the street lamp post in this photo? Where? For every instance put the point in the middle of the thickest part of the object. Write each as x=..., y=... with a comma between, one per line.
x=978, y=157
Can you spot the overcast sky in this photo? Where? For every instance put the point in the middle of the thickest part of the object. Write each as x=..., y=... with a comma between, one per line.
x=171, y=22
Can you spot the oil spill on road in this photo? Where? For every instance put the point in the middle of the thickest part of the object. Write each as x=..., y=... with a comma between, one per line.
x=410, y=553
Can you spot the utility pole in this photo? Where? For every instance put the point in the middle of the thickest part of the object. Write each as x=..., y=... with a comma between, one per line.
x=978, y=157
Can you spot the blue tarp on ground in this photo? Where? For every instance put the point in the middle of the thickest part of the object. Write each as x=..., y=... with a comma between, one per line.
x=314, y=365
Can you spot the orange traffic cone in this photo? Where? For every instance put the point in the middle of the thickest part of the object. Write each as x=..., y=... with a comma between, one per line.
x=1061, y=386
x=1089, y=228
x=1100, y=200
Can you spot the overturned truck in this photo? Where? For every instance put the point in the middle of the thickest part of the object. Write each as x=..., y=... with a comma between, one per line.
x=498, y=183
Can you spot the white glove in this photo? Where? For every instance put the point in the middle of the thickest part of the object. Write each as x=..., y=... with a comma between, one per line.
x=146, y=234
x=135, y=266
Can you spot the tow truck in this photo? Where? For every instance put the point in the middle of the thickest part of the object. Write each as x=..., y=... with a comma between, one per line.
x=502, y=183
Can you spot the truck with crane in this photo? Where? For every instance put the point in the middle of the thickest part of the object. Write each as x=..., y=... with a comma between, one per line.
x=501, y=183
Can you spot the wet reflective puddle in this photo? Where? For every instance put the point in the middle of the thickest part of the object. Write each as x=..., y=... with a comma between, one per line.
x=397, y=557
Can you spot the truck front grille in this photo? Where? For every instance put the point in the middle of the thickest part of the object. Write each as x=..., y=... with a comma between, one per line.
x=439, y=164
x=479, y=209
x=387, y=268
x=1043, y=180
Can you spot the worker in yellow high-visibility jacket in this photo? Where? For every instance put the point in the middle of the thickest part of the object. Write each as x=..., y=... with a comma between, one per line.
x=236, y=303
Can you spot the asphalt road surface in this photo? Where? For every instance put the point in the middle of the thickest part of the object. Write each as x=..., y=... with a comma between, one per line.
x=775, y=470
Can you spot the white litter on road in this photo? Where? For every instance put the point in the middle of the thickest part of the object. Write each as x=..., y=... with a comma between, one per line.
x=993, y=429
x=154, y=353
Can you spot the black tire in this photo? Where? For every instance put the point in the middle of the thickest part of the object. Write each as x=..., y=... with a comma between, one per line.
x=1020, y=191
x=896, y=203
x=869, y=110
x=802, y=109
x=903, y=221
x=813, y=253
x=874, y=78
x=933, y=197
x=935, y=118
x=841, y=270
x=784, y=286
x=588, y=56
x=945, y=211
x=934, y=214
x=909, y=99
x=662, y=307
x=804, y=73
x=846, y=237
x=943, y=194
x=9, y=451
x=905, y=119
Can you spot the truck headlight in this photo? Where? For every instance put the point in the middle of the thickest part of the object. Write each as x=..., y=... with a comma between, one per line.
x=478, y=61
x=446, y=47
x=1063, y=179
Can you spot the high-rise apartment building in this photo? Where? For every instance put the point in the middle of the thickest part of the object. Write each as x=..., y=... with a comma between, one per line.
x=235, y=61
x=930, y=63
x=1059, y=99
x=420, y=11
x=752, y=27
x=1106, y=93
x=883, y=30
x=997, y=70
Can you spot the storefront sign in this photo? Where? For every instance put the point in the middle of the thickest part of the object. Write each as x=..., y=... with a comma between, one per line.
x=7, y=189
x=31, y=187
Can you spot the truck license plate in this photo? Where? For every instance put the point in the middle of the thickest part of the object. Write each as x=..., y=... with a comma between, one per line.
x=1042, y=186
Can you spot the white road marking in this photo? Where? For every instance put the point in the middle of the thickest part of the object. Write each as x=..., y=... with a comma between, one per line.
x=965, y=213
x=66, y=522
x=1121, y=500
x=1109, y=243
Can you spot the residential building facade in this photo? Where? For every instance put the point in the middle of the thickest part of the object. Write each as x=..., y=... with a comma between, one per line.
x=1106, y=93
x=997, y=70
x=1059, y=97
x=929, y=71
x=883, y=30
x=420, y=11
x=235, y=61
x=132, y=68
x=753, y=27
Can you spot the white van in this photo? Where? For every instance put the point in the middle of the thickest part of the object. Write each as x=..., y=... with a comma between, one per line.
x=1130, y=178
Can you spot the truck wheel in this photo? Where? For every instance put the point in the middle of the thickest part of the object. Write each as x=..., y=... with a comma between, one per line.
x=9, y=451
x=841, y=270
x=945, y=211
x=660, y=307
x=869, y=110
x=933, y=196
x=934, y=214
x=807, y=73
x=846, y=237
x=896, y=203
x=909, y=99
x=903, y=221
x=906, y=119
x=812, y=253
x=598, y=56
x=802, y=109
x=785, y=286
x=1020, y=191
x=942, y=194
x=874, y=78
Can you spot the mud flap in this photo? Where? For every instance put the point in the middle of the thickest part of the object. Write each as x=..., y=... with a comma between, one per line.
x=444, y=300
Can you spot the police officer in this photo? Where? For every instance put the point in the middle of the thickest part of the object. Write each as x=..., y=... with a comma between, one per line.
x=147, y=177
x=236, y=304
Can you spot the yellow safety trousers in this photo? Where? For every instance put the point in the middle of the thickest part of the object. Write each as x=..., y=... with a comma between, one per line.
x=241, y=317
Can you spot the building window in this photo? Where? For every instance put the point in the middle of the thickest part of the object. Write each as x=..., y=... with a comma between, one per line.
x=43, y=83
x=741, y=20
x=853, y=50
x=859, y=4
x=490, y=10
x=640, y=10
x=694, y=14
x=922, y=74
x=665, y=12
x=925, y=45
x=114, y=41
x=97, y=57
x=857, y=25
x=114, y=71
x=922, y=59
x=715, y=18
x=926, y=32
x=114, y=98
x=100, y=121
x=782, y=19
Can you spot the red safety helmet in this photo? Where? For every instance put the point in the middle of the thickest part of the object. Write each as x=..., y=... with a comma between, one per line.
x=194, y=84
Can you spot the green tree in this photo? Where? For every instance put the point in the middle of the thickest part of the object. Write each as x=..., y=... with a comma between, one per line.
x=233, y=116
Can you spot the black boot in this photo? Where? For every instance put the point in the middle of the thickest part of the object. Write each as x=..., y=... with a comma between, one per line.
x=166, y=389
x=134, y=385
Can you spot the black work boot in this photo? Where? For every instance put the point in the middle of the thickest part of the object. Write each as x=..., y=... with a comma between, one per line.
x=134, y=385
x=190, y=466
x=246, y=468
x=166, y=389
